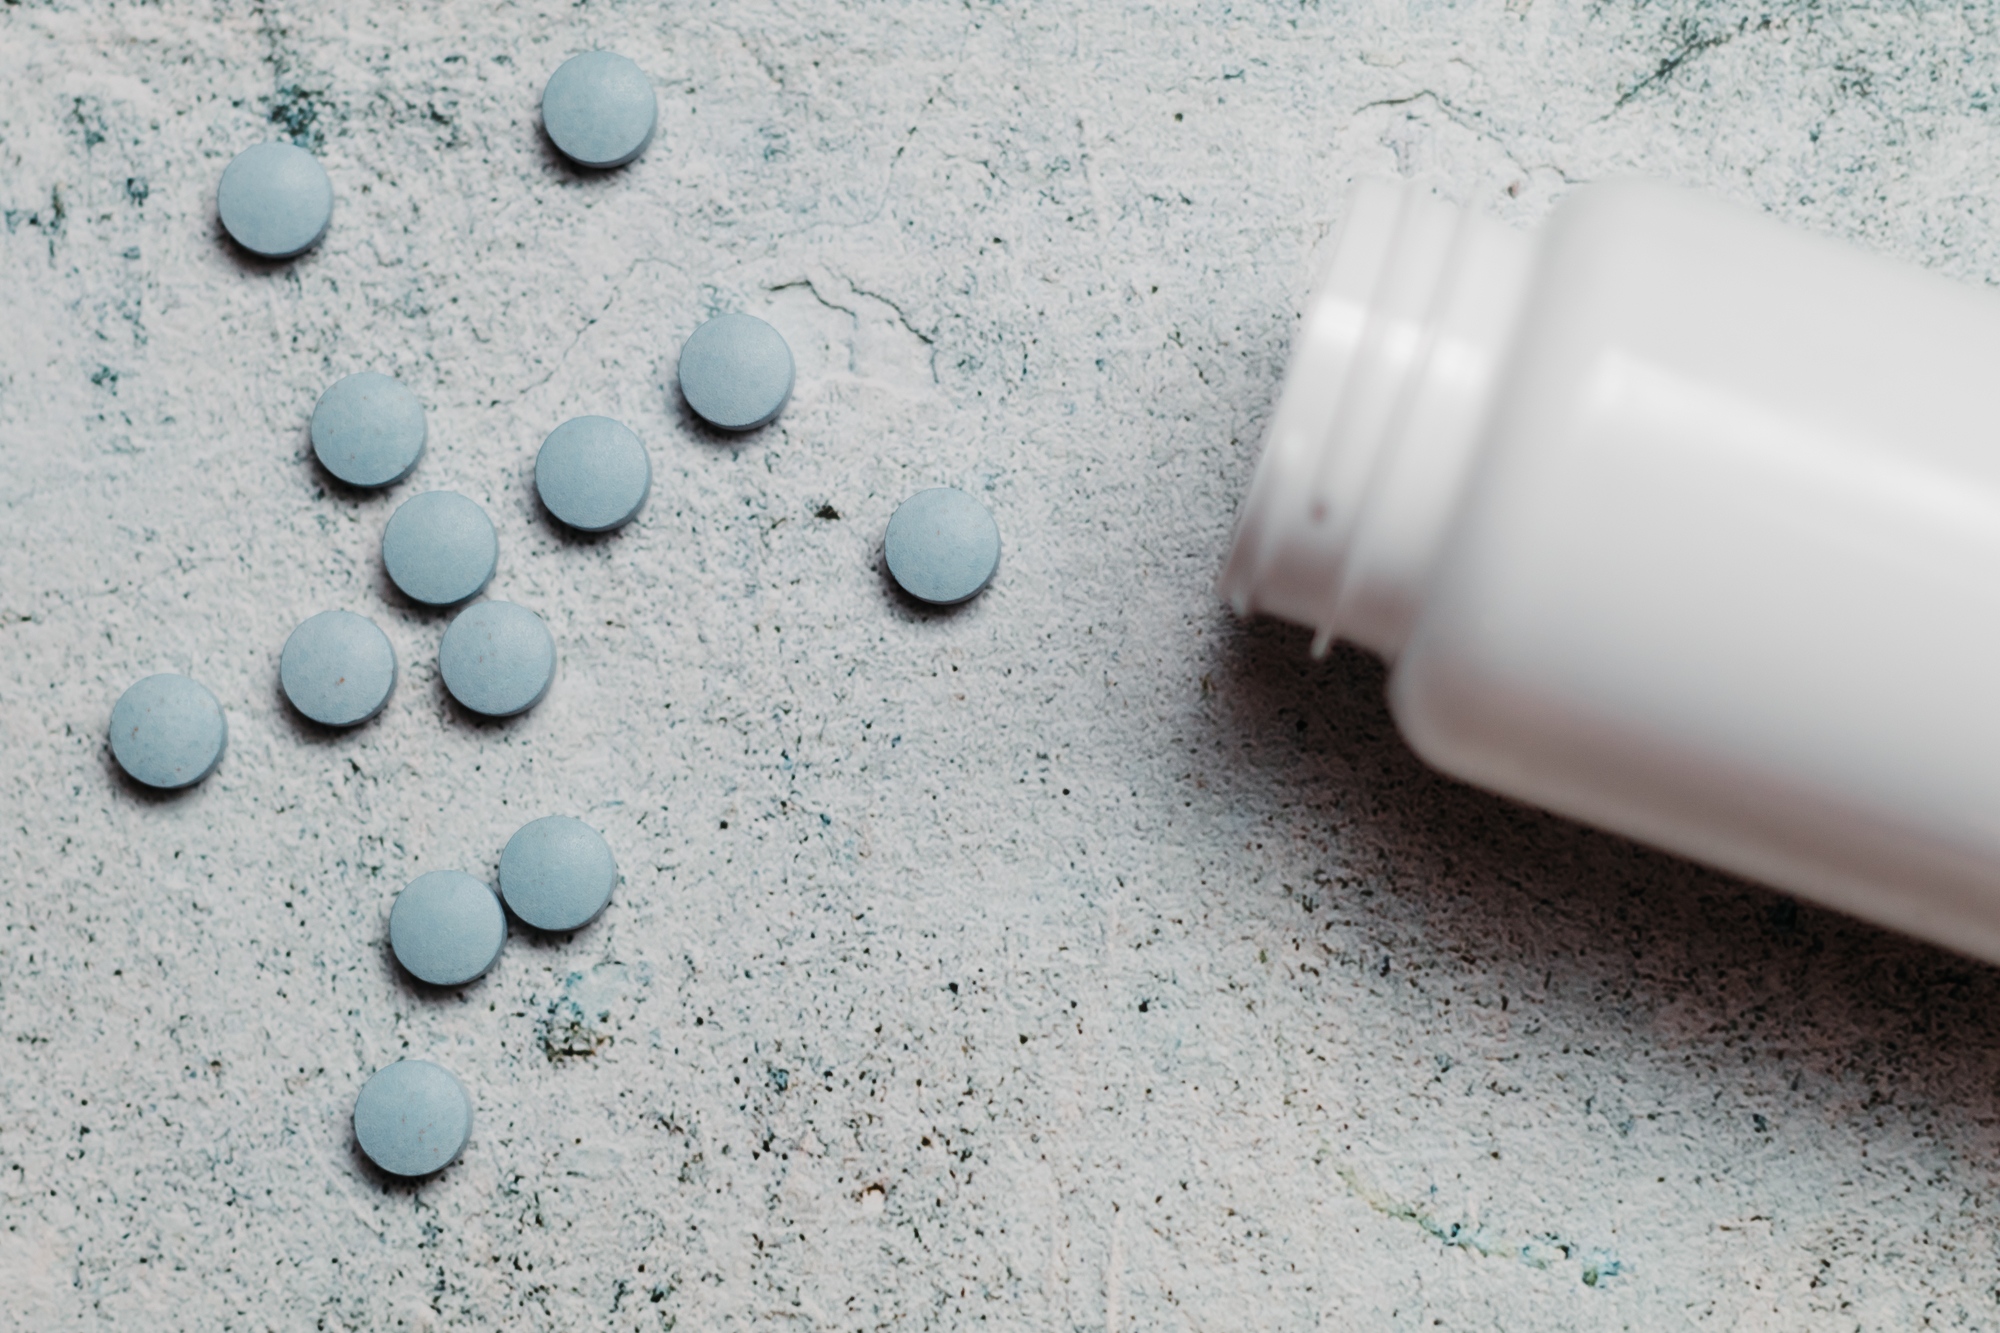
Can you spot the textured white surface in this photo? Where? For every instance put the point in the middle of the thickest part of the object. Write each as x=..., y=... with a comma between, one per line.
x=1079, y=959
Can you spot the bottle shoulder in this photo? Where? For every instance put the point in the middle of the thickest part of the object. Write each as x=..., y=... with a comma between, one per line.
x=1675, y=273
x=1722, y=309
x=1737, y=520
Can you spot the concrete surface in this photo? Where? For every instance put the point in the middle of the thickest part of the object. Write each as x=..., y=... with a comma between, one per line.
x=1077, y=960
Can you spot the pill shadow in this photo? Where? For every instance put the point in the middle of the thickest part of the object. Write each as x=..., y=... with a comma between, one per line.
x=453, y=712
x=423, y=991
x=1617, y=943
x=318, y=733
x=409, y=608
x=695, y=425
x=577, y=538
x=916, y=609
x=403, y=1186
x=248, y=263
x=568, y=173
x=331, y=487
x=546, y=941
x=143, y=794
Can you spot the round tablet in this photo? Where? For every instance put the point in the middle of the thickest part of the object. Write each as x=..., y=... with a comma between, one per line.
x=593, y=473
x=942, y=546
x=275, y=200
x=599, y=109
x=557, y=873
x=446, y=928
x=497, y=658
x=168, y=731
x=413, y=1118
x=736, y=372
x=368, y=430
x=439, y=548
x=338, y=668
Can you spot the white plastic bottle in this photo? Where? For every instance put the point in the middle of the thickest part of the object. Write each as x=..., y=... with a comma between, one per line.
x=1668, y=518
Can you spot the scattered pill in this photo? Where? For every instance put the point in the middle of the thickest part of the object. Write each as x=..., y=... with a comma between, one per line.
x=593, y=473
x=439, y=548
x=942, y=546
x=599, y=109
x=557, y=873
x=413, y=1118
x=168, y=731
x=275, y=200
x=497, y=658
x=338, y=668
x=447, y=928
x=736, y=372
x=368, y=430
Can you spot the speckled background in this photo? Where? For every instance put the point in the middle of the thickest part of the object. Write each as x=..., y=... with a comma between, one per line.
x=1080, y=959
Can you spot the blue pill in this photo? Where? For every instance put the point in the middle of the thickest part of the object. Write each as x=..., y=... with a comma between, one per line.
x=168, y=731
x=439, y=548
x=413, y=1118
x=275, y=200
x=593, y=473
x=942, y=546
x=736, y=372
x=497, y=658
x=599, y=109
x=446, y=928
x=368, y=430
x=557, y=873
x=338, y=668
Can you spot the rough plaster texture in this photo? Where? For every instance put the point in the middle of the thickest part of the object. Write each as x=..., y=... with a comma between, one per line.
x=1078, y=959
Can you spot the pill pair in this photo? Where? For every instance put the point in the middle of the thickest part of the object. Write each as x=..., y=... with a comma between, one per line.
x=440, y=548
x=276, y=200
x=368, y=431
x=497, y=659
x=556, y=874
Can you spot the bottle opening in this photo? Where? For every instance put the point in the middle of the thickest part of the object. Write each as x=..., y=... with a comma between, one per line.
x=1389, y=381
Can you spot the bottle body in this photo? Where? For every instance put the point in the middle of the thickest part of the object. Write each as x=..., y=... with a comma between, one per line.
x=1715, y=564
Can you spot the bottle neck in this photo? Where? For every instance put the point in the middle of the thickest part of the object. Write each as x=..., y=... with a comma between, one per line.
x=1391, y=378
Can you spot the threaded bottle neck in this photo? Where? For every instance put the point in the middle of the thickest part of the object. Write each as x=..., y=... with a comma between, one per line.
x=1390, y=381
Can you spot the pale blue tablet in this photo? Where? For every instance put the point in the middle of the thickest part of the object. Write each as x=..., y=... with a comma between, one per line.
x=497, y=658
x=413, y=1118
x=599, y=109
x=942, y=546
x=439, y=548
x=168, y=731
x=275, y=200
x=338, y=668
x=593, y=474
x=557, y=873
x=447, y=928
x=736, y=372
x=368, y=430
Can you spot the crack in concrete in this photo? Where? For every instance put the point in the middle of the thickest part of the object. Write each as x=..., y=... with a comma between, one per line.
x=928, y=340
x=1544, y=1251
x=1471, y=124
x=1691, y=44
x=617, y=289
